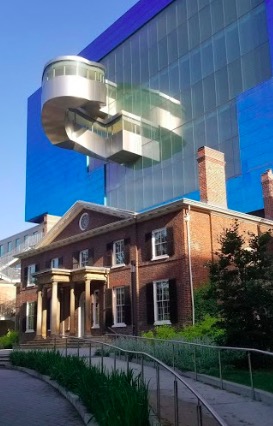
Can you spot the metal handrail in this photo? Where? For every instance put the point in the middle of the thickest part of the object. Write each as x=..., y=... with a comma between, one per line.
x=219, y=349
x=200, y=400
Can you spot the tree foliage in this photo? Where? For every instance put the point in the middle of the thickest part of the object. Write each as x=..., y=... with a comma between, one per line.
x=242, y=282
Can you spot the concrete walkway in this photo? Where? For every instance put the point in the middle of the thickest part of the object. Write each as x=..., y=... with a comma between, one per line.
x=27, y=401
x=234, y=409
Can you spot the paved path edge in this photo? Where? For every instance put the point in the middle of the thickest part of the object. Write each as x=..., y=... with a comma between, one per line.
x=87, y=417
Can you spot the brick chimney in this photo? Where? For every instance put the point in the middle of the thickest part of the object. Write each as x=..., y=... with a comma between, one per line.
x=267, y=186
x=212, y=176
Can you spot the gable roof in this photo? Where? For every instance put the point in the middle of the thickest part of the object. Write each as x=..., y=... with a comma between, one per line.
x=74, y=211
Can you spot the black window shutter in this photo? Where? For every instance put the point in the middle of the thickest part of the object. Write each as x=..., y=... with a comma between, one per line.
x=25, y=276
x=75, y=257
x=90, y=257
x=150, y=303
x=127, y=307
x=61, y=262
x=173, y=301
x=108, y=254
x=37, y=267
x=127, y=251
x=109, y=320
x=170, y=241
x=148, y=246
x=24, y=317
x=47, y=264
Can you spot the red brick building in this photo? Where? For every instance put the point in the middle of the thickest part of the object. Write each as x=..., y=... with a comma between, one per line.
x=101, y=268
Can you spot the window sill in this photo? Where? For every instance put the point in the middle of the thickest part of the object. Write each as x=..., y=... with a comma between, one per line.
x=30, y=285
x=94, y=327
x=165, y=322
x=120, y=325
x=29, y=331
x=164, y=256
x=120, y=265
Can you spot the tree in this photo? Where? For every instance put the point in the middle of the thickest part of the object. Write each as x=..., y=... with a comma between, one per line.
x=242, y=280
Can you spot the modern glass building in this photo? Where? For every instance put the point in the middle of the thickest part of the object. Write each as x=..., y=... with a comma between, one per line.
x=196, y=72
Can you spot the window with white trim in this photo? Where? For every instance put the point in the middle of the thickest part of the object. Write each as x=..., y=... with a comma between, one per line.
x=119, y=306
x=83, y=258
x=118, y=252
x=54, y=263
x=161, y=302
x=159, y=243
x=31, y=269
x=30, y=316
x=96, y=309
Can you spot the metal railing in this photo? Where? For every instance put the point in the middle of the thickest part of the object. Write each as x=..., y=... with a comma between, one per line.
x=95, y=351
x=193, y=357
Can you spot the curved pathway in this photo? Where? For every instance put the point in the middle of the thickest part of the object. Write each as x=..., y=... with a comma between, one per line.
x=25, y=400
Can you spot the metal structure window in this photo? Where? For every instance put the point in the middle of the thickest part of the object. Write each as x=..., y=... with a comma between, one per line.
x=30, y=320
x=54, y=263
x=118, y=252
x=159, y=243
x=83, y=258
x=119, y=306
x=30, y=271
x=161, y=302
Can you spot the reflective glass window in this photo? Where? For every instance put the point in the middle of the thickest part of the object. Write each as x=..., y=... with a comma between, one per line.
x=235, y=78
x=217, y=15
x=195, y=66
x=172, y=46
x=221, y=85
x=232, y=43
x=230, y=11
x=209, y=93
x=182, y=39
x=219, y=50
x=205, y=23
x=207, y=61
x=194, y=31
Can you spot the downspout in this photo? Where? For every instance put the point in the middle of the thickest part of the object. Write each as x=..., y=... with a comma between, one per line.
x=187, y=220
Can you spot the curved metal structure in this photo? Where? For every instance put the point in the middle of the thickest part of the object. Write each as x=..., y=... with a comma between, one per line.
x=73, y=93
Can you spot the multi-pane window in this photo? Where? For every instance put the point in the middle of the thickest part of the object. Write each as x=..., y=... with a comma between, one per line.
x=2, y=251
x=118, y=252
x=83, y=258
x=161, y=302
x=54, y=263
x=96, y=309
x=30, y=321
x=30, y=271
x=17, y=242
x=159, y=242
x=119, y=305
x=9, y=246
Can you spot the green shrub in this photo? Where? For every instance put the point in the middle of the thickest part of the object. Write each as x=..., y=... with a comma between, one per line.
x=9, y=340
x=116, y=398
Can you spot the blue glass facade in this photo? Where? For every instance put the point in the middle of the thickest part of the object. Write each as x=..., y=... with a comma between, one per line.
x=201, y=72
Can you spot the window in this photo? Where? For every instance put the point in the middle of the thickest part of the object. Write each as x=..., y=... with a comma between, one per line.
x=17, y=242
x=9, y=246
x=159, y=243
x=83, y=258
x=119, y=306
x=31, y=314
x=2, y=250
x=54, y=263
x=96, y=309
x=118, y=252
x=31, y=269
x=161, y=302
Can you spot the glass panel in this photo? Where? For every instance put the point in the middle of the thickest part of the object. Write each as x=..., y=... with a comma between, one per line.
x=209, y=93
x=235, y=78
x=217, y=15
x=205, y=23
x=232, y=43
x=207, y=58
x=194, y=31
x=221, y=84
x=219, y=49
x=230, y=11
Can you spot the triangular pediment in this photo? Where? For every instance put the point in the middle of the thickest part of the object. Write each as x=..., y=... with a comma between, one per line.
x=82, y=218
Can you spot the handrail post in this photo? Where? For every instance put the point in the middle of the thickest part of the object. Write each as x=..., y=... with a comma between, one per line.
x=158, y=391
x=173, y=357
x=90, y=353
x=115, y=360
x=175, y=403
x=142, y=367
x=220, y=368
x=78, y=349
x=102, y=357
x=251, y=375
x=127, y=362
x=54, y=344
x=66, y=347
x=194, y=362
x=199, y=414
